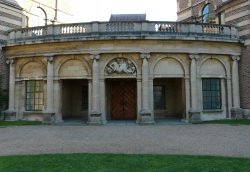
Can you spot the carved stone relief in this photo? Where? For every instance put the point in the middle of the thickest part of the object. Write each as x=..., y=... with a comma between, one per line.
x=120, y=66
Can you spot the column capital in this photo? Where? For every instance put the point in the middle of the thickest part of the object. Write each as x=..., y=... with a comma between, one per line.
x=145, y=55
x=193, y=56
x=49, y=58
x=95, y=56
x=235, y=57
x=11, y=61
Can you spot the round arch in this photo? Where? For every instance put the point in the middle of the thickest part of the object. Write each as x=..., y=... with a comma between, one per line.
x=73, y=68
x=32, y=69
x=168, y=67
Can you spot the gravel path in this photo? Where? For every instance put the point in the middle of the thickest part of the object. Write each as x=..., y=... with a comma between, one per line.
x=224, y=140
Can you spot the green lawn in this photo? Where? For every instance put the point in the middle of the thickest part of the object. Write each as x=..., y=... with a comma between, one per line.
x=120, y=162
x=19, y=123
x=228, y=121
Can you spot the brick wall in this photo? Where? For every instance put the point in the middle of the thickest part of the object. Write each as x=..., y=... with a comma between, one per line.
x=4, y=81
x=244, y=70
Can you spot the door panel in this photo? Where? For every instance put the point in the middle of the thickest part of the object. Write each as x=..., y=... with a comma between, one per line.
x=123, y=99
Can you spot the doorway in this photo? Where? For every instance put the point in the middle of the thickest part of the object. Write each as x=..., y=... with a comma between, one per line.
x=169, y=99
x=75, y=99
x=122, y=99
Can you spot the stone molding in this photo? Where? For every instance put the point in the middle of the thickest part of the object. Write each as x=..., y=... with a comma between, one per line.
x=234, y=57
x=145, y=55
x=194, y=56
x=11, y=61
x=95, y=56
x=49, y=58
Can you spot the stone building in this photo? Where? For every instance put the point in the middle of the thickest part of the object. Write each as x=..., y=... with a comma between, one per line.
x=16, y=14
x=228, y=12
x=125, y=69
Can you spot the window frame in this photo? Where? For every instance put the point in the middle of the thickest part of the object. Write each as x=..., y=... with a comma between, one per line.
x=203, y=14
x=33, y=95
x=211, y=91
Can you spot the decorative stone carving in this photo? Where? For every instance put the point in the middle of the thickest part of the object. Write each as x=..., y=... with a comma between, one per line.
x=11, y=61
x=121, y=65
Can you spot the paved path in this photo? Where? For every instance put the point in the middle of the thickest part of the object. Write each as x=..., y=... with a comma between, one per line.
x=225, y=140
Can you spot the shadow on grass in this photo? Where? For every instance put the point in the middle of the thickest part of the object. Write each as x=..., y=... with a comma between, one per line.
x=227, y=121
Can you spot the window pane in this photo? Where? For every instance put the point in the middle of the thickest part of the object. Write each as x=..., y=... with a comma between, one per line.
x=34, y=95
x=211, y=94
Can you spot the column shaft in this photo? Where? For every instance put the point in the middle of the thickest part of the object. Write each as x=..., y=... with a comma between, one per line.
x=12, y=86
x=193, y=85
x=50, y=86
x=235, y=83
x=96, y=88
x=145, y=84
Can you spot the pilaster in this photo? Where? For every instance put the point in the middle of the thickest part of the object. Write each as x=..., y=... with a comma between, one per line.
x=145, y=113
x=95, y=117
x=236, y=111
x=194, y=113
x=10, y=114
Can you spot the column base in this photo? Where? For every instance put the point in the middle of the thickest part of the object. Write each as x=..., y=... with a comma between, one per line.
x=95, y=118
x=45, y=117
x=246, y=113
x=194, y=117
x=9, y=115
x=146, y=118
x=237, y=113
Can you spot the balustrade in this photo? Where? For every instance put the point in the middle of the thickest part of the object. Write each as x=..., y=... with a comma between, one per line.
x=71, y=29
x=216, y=29
x=119, y=26
x=33, y=32
x=150, y=27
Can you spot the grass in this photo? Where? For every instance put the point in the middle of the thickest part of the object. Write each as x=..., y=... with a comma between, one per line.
x=228, y=121
x=19, y=123
x=120, y=163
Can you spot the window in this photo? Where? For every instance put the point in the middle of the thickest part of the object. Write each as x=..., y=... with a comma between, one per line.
x=34, y=96
x=211, y=90
x=85, y=97
x=207, y=13
x=159, y=97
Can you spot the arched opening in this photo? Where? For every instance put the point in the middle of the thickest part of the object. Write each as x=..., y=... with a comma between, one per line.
x=168, y=90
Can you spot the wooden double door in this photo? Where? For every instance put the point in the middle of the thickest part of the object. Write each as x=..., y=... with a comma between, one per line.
x=123, y=99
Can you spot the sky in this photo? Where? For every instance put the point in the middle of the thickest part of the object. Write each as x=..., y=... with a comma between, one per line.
x=100, y=10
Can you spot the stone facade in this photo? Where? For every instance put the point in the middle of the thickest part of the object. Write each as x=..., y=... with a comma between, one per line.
x=92, y=62
x=229, y=12
x=17, y=14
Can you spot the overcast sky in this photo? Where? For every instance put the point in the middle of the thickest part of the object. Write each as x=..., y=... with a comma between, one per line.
x=100, y=10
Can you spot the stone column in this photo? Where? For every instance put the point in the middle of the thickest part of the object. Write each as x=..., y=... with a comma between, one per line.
x=10, y=114
x=50, y=84
x=49, y=113
x=194, y=113
x=95, y=115
x=229, y=96
x=58, y=101
x=187, y=96
x=145, y=113
x=235, y=82
x=236, y=111
x=139, y=88
x=12, y=85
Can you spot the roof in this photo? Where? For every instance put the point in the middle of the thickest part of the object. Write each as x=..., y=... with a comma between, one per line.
x=127, y=17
